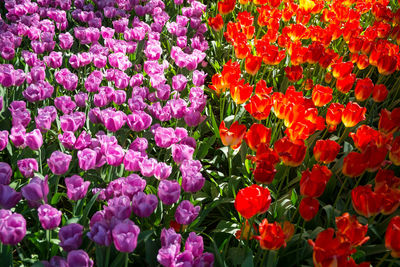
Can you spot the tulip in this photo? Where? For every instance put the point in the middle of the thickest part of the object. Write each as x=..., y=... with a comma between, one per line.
x=8, y=197
x=144, y=205
x=350, y=230
x=49, y=217
x=186, y=213
x=392, y=236
x=394, y=154
x=365, y=201
x=379, y=93
x=252, y=200
x=36, y=191
x=341, y=70
x=354, y=164
x=312, y=184
x=345, y=84
x=169, y=192
x=79, y=258
x=71, y=236
x=192, y=179
x=256, y=135
x=5, y=173
x=59, y=162
x=34, y=139
x=125, y=235
x=12, y=228
x=253, y=64
x=76, y=187
x=308, y=208
x=321, y=95
x=353, y=114
x=216, y=23
x=363, y=89
x=292, y=153
x=27, y=167
x=241, y=92
x=100, y=233
x=232, y=137
x=294, y=73
x=271, y=236
x=3, y=139
x=326, y=151
x=165, y=137
x=389, y=122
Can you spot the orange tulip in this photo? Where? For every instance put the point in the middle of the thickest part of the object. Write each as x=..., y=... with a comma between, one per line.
x=321, y=95
x=259, y=107
x=256, y=135
x=232, y=137
x=353, y=114
x=226, y=6
x=271, y=235
x=241, y=92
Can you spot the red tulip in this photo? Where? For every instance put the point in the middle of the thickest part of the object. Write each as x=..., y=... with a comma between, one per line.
x=386, y=178
x=366, y=135
x=379, y=93
x=392, y=237
x=294, y=73
x=389, y=122
x=292, y=153
x=394, y=153
x=252, y=200
x=387, y=64
x=271, y=235
x=351, y=230
x=345, y=84
x=365, y=201
x=325, y=151
x=241, y=92
x=363, y=89
x=253, y=64
x=308, y=208
x=334, y=114
x=341, y=70
x=226, y=6
x=354, y=164
x=312, y=184
x=259, y=107
x=216, y=23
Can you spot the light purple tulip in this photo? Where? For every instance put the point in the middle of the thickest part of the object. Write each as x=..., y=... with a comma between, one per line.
x=76, y=187
x=59, y=162
x=49, y=217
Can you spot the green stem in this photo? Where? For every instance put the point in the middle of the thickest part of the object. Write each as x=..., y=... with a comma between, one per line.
x=344, y=135
x=126, y=259
x=383, y=259
x=230, y=161
x=40, y=160
x=340, y=191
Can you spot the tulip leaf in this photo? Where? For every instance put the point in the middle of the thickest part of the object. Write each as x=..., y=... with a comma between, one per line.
x=88, y=208
x=248, y=261
x=6, y=256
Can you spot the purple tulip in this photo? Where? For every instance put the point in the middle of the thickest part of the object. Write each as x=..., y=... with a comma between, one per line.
x=67, y=139
x=113, y=120
x=170, y=237
x=118, y=208
x=56, y=261
x=139, y=144
x=81, y=99
x=125, y=236
x=162, y=171
x=27, y=167
x=36, y=191
x=87, y=159
x=66, y=40
x=100, y=233
x=192, y=179
x=64, y=104
x=194, y=244
x=12, y=228
x=84, y=140
x=76, y=187
x=71, y=236
x=5, y=173
x=169, y=192
x=79, y=258
x=59, y=162
x=184, y=259
x=133, y=160
x=165, y=137
x=49, y=217
x=144, y=205
x=193, y=118
x=179, y=82
x=181, y=152
x=166, y=255
x=8, y=197
x=139, y=121
x=178, y=107
x=205, y=260
x=198, y=77
x=186, y=213
x=3, y=139
x=17, y=135
x=114, y=155
x=148, y=166
x=34, y=139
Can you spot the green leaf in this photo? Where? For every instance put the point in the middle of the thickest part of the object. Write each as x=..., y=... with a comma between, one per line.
x=294, y=197
x=204, y=147
x=248, y=261
x=87, y=209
